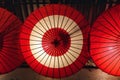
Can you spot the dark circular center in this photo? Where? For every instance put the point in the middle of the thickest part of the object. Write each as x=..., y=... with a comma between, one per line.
x=1, y=41
x=56, y=42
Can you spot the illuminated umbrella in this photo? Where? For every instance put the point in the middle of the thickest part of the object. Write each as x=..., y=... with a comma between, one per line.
x=10, y=54
x=54, y=40
x=105, y=41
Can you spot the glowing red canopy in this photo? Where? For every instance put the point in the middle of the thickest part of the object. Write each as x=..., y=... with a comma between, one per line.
x=105, y=41
x=10, y=53
x=54, y=40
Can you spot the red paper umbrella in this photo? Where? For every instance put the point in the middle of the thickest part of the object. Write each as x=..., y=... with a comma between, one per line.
x=54, y=40
x=105, y=41
x=10, y=54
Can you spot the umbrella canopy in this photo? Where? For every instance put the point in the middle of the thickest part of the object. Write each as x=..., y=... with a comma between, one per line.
x=10, y=53
x=54, y=40
x=105, y=41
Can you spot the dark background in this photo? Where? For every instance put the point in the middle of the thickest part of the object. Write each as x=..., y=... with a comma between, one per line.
x=89, y=8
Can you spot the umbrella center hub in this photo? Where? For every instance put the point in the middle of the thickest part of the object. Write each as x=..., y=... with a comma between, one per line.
x=1, y=41
x=56, y=41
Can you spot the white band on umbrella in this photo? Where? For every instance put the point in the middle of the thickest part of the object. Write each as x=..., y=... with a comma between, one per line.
x=56, y=24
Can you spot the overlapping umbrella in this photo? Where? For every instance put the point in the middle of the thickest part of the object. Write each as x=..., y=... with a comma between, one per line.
x=105, y=41
x=10, y=53
x=54, y=40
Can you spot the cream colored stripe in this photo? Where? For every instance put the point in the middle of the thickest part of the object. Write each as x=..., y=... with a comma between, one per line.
x=63, y=60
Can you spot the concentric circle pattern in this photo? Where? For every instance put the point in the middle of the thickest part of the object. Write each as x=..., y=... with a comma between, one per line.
x=10, y=53
x=105, y=41
x=54, y=40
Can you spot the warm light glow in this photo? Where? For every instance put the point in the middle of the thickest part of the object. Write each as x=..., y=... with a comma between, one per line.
x=105, y=46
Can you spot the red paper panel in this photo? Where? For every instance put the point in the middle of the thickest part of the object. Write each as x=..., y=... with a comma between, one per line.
x=10, y=53
x=54, y=40
x=105, y=41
